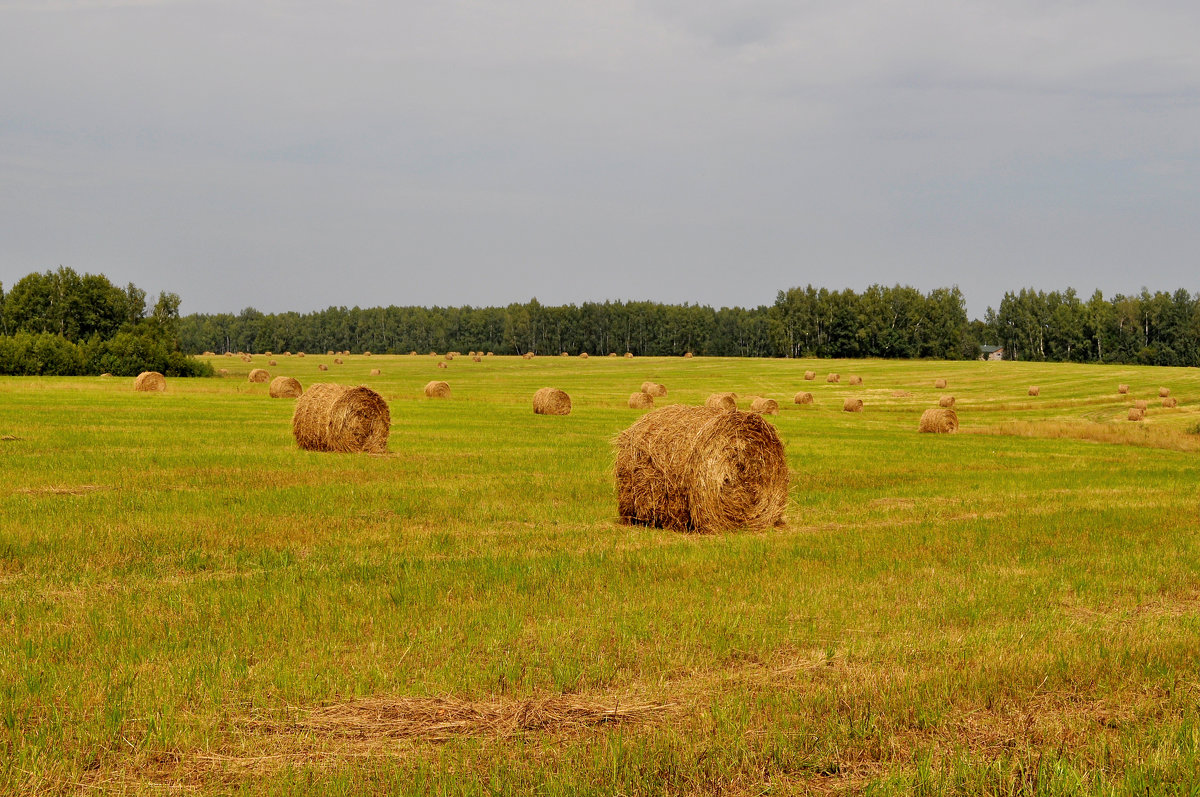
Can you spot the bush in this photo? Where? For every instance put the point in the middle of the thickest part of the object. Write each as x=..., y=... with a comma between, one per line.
x=41, y=354
x=129, y=353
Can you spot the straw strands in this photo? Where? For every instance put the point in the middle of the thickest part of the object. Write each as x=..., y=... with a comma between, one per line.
x=764, y=406
x=722, y=401
x=852, y=405
x=946, y=401
x=641, y=401
x=150, y=382
x=833, y=378
x=285, y=387
x=551, y=401
x=938, y=420
x=1136, y=413
x=654, y=389
x=339, y=418
x=259, y=375
x=803, y=397
x=437, y=389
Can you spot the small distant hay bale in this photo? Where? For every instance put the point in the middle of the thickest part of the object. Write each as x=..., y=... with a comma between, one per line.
x=946, y=401
x=833, y=378
x=412, y=353
x=272, y=363
x=339, y=418
x=437, y=389
x=149, y=382
x=287, y=354
x=322, y=367
x=259, y=375
x=491, y=354
x=628, y=355
x=1163, y=392
x=1122, y=389
x=1170, y=402
x=285, y=387
x=810, y=376
x=612, y=354
x=1141, y=404
x=454, y=354
x=527, y=355
x=687, y=355
x=222, y=372
x=939, y=420
x=940, y=384
x=267, y=353
x=337, y=360
x=654, y=389
x=855, y=380
x=442, y=365
x=107, y=375
x=1034, y=391
x=551, y=401
x=764, y=406
x=449, y=355
x=477, y=359
x=701, y=469
x=583, y=355
x=299, y=354
x=564, y=354
x=208, y=354
x=1137, y=413
x=366, y=354
x=721, y=401
x=803, y=397
x=433, y=354
x=375, y=372
x=246, y=358
x=228, y=354
x=640, y=401
x=329, y=353
x=852, y=405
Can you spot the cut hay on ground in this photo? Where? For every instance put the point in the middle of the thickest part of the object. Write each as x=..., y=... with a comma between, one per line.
x=437, y=389
x=150, y=381
x=940, y=384
x=259, y=375
x=654, y=389
x=946, y=401
x=1170, y=401
x=1034, y=391
x=855, y=380
x=340, y=418
x=641, y=401
x=722, y=401
x=1163, y=392
x=701, y=469
x=551, y=401
x=810, y=375
x=900, y=394
x=375, y=372
x=1141, y=404
x=803, y=397
x=1136, y=414
x=833, y=378
x=285, y=387
x=938, y=420
x=1122, y=389
x=852, y=405
x=322, y=367
x=764, y=406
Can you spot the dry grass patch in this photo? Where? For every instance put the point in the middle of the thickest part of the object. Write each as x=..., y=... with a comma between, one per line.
x=1147, y=436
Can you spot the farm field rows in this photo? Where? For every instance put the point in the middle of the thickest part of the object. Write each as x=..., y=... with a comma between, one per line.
x=189, y=603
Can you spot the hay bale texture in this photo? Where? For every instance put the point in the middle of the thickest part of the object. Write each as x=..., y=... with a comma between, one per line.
x=810, y=375
x=855, y=380
x=437, y=389
x=1136, y=414
x=852, y=405
x=764, y=406
x=939, y=420
x=654, y=389
x=1034, y=391
x=322, y=367
x=1170, y=402
x=803, y=397
x=375, y=372
x=833, y=378
x=1122, y=389
x=551, y=401
x=701, y=469
x=259, y=375
x=721, y=401
x=340, y=418
x=285, y=387
x=1140, y=404
x=1163, y=392
x=640, y=401
x=946, y=401
x=150, y=382
x=940, y=384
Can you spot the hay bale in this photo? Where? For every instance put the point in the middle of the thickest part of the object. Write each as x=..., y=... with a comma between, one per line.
x=299, y=354
x=150, y=381
x=442, y=365
x=366, y=354
x=246, y=358
x=628, y=355
x=946, y=401
x=287, y=354
x=654, y=389
x=285, y=387
x=721, y=401
x=527, y=355
x=802, y=397
x=551, y=401
x=107, y=375
x=687, y=355
x=612, y=354
x=1140, y=404
x=1122, y=389
x=583, y=355
x=563, y=354
x=477, y=359
x=337, y=360
x=375, y=372
x=1170, y=401
x=228, y=354
x=1033, y=391
x=852, y=405
x=437, y=389
x=259, y=375
x=1163, y=392
x=412, y=353
x=1137, y=413
x=449, y=356
x=640, y=401
x=833, y=378
x=810, y=376
x=940, y=384
x=339, y=418
x=939, y=420
x=491, y=354
x=322, y=367
x=208, y=354
x=329, y=353
x=222, y=372
x=764, y=406
x=855, y=380
x=267, y=353
x=272, y=363
x=701, y=469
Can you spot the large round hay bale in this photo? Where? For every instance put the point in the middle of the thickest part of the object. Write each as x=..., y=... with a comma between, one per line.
x=329, y=353
x=810, y=375
x=337, y=360
x=1163, y=392
x=1034, y=391
x=340, y=418
x=1122, y=389
x=938, y=420
x=852, y=405
x=442, y=365
x=272, y=363
x=477, y=359
x=149, y=382
x=764, y=406
x=1170, y=401
x=437, y=389
x=612, y=354
x=259, y=375
x=833, y=378
x=803, y=397
x=654, y=389
x=527, y=355
x=721, y=401
x=322, y=367
x=222, y=372
x=628, y=355
x=1141, y=404
x=366, y=354
x=551, y=401
x=285, y=387
x=1136, y=414
x=687, y=355
x=641, y=401
x=375, y=372
x=299, y=354
x=701, y=469
x=946, y=401
x=940, y=384
x=855, y=380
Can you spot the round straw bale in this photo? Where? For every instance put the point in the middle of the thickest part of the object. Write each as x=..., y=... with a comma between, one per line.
x=106, y=375
x=1163, y=392
x=267, y=353
x=285, y=387
x=855, y=380
x=527, y=355
x=940, y=384
x=1122, y=389
x=640, y=401
x=208, y=354
x=833, y=378
x=477, y=359
x=1170, y=401
x=612, y=354
x=551, y=401
x=340, y=418
x=721, y=401
x=764, y=406
x=654, y=389
x=803, y=397
x=329, y=353
x=449, y=356
x=150, y=381
x=375, y=372
x=491, y=354
x=1136, y=413
x=1141, y=404
x=701, y=469
x=629, y=355
x=228, y=354
x=287, y=354
x=322, y=367
x=299, y=354
x=583, y=355
x=222, y=372
x=852, y=405
x=946, y=401
x=259, y=375
x=938, y=419
x=366, y=354
x=337, y=360
x=412, y=353
x=564, y=354
x=1033, y=391
x=272, y=363
x=246, y=358
x=437, y=389
x=442, y=365
x=433, y=354
x=687, y=355
x=810, y=375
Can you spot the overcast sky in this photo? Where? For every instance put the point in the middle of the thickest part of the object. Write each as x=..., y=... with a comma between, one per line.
x=294, y=155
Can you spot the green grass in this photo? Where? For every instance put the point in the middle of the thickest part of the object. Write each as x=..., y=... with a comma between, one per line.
x=1013, y=609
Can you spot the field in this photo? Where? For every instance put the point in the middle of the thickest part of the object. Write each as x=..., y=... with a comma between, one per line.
x=190, y=604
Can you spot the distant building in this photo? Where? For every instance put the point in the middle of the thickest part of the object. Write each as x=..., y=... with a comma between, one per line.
x=991, y=352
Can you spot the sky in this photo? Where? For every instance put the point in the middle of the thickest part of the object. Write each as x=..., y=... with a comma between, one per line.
x=297, y=155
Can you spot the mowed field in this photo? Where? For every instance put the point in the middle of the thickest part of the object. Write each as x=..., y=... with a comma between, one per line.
x=191, y=604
